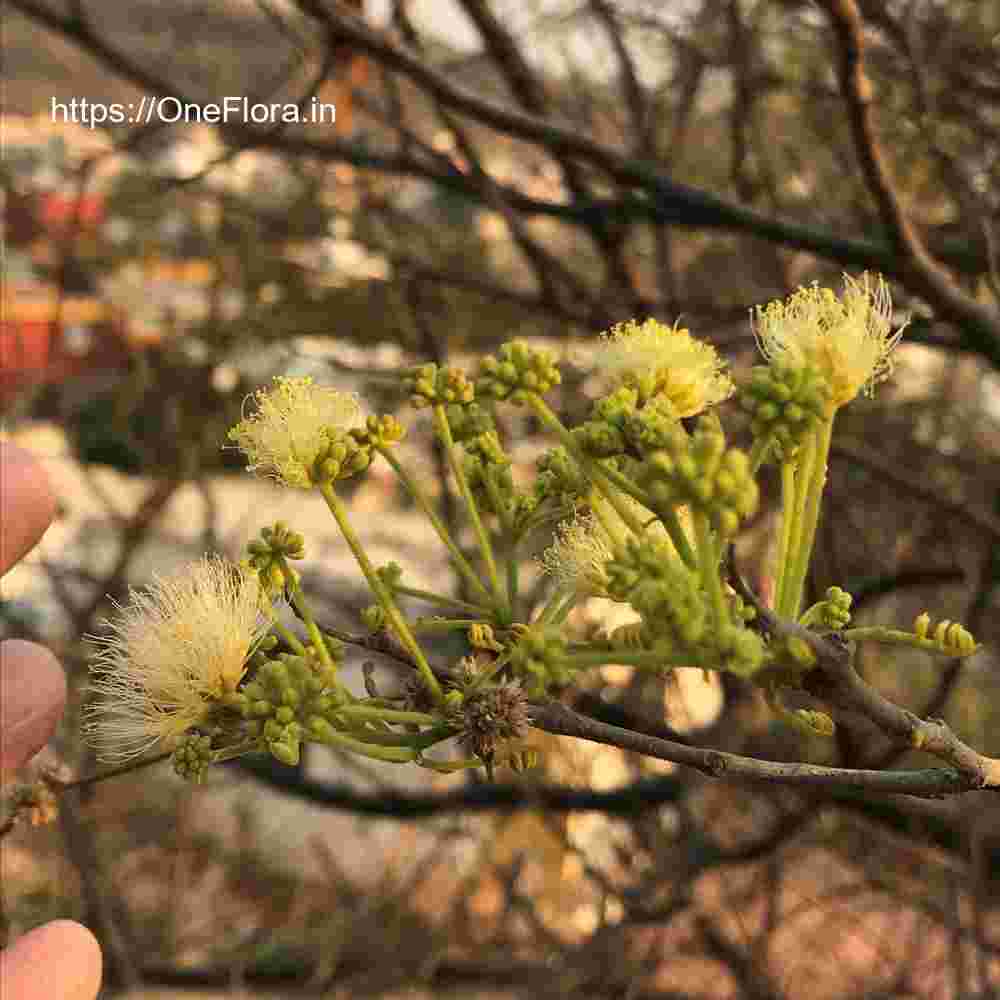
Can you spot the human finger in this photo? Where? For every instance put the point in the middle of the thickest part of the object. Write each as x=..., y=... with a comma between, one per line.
x=57, y=961
x=27, y=504
x=32, y=696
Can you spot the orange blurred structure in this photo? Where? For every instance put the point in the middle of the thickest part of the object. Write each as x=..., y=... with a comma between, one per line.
x=47, y=338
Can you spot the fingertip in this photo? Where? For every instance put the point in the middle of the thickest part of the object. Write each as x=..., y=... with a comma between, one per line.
x=59, y=959
x=27, y=503
x=32, y=698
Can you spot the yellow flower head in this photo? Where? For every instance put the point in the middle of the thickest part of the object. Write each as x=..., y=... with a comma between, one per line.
x=181, y=644
x=848, y=339
x=658, y=360
x=292, y=425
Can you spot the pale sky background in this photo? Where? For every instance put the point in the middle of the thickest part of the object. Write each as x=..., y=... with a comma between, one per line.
x=583, y=41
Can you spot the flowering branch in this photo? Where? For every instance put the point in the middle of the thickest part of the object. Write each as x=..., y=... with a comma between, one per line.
x=196, y=665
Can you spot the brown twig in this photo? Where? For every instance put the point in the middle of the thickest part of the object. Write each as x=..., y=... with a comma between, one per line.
x=556, y=718
x=919, y=269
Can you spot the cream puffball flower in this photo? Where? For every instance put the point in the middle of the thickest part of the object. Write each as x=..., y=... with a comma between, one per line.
x=179, y=646
x=583, y=546
x=292, y=425
x=577, y=557
x=659, y=360
x=848, y=339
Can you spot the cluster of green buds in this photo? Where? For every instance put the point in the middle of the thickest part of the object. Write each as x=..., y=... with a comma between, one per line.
x=785, y=404
x=539, y=659
x=699, y=471
x=193, y=756
x=603, y=435
x=343, y=455
x=373, y=617
x=675, y=613
x=487, y=470
x=267, y=556
x=430, y=385
x=647, y=575
x=287, y=699
x=468, y=421
x=560, y=478
x=809, y=721
x=833, y=613
x=651, y=427
x=379, y=432
x=517, y=369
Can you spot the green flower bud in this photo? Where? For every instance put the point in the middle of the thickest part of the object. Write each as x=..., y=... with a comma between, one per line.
x=381, y=432
x=468, y=421
x=430, y=385
x=741, y=650
x=487, y=471
x=517, y=369
x=192, y=756
x=835, y=612
x=488, y=449
x=344, y=455
x=539, y=658
x=267, y=556
x=647, y=575
x=700, y=472
x=391, y=574
x=560, y=477
x=616, y=408
x=786, y=404
x=949, y=637
x=653, y=427
x=254, y=691
x=598, y=439
x=374, y=617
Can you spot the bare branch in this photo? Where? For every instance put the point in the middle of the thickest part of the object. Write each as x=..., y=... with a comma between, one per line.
x=918, y=268
x=555, y=718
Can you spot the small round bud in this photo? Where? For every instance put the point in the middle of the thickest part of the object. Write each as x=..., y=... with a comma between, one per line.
x=374, y=617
